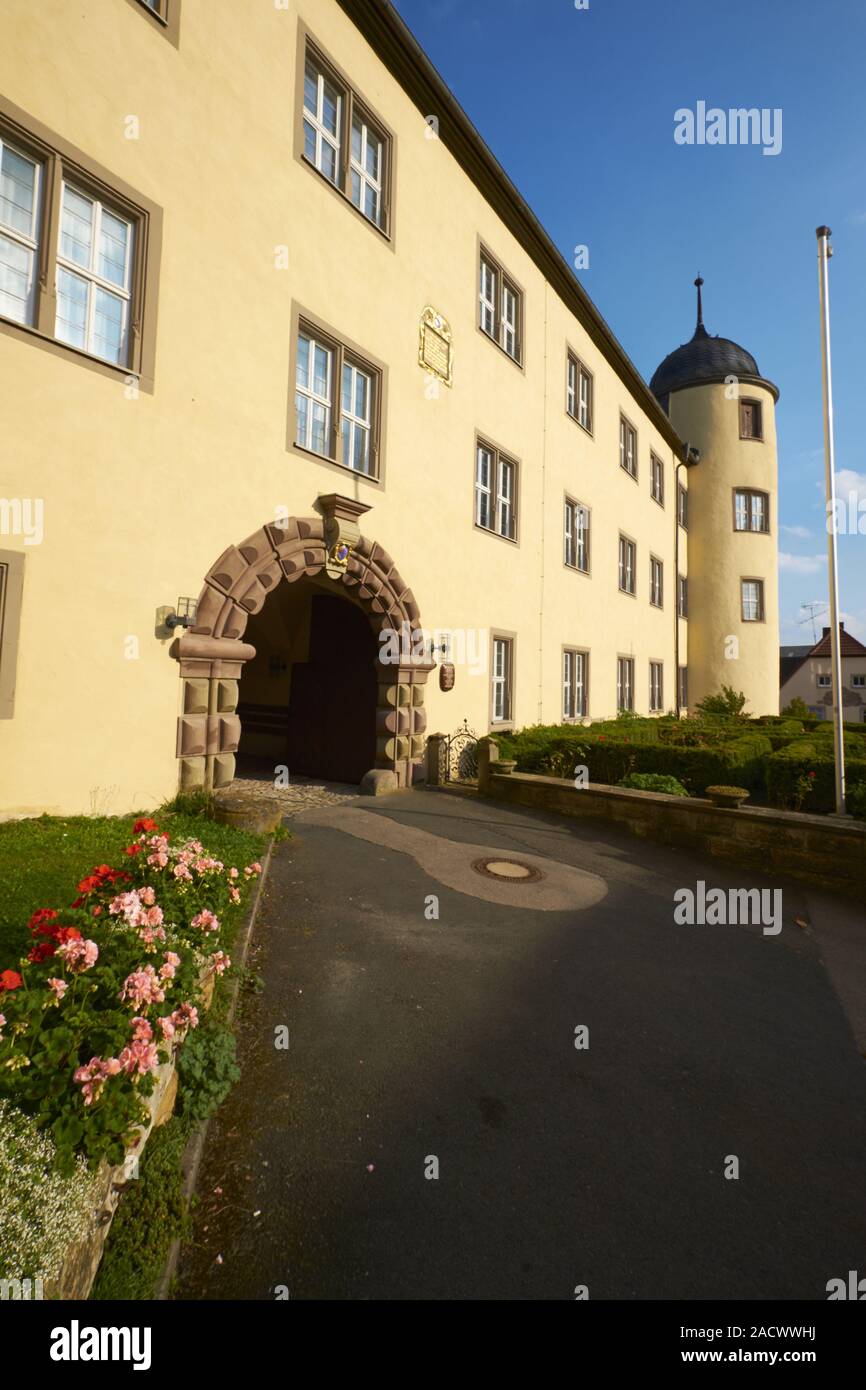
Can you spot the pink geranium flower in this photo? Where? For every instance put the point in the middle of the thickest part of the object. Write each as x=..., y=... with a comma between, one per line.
x=142, y=987
x=206, y=920
x=139, y=1058
x=79, y=955
x=92, y=1077
x=220, y=962
x=60, y=987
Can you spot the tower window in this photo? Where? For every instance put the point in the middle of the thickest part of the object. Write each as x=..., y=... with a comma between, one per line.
x=752, y=600
x=682, y=596
x=751, y=420
x=682, y=507
x=751, y=510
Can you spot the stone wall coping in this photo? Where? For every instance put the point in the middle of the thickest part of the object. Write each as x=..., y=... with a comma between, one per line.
x=763, y=815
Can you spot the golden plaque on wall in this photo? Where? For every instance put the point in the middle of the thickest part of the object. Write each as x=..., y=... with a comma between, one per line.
x=436, y=353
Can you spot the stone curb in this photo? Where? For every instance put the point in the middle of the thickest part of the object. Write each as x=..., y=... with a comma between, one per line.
x=194, y=1151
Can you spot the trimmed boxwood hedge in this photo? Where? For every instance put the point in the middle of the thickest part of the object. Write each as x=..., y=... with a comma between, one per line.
x=768, y=756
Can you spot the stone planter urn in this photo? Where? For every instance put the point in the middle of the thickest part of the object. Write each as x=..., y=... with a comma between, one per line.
x=729, y=797
x=506, y=766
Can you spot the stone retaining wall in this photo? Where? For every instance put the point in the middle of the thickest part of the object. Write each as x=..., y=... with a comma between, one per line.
x=821, y=850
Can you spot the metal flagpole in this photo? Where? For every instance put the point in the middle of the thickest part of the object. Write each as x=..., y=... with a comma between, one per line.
x=825, y=251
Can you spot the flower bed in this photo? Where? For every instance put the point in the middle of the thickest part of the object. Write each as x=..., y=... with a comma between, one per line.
x=92, y=1014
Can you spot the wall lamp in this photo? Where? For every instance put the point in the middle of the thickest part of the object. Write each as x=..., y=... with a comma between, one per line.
x=184, y=614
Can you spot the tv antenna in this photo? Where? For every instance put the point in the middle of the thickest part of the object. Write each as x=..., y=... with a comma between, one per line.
x=813, y=611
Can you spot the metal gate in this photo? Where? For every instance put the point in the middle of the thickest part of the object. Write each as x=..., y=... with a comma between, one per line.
x=458, y=755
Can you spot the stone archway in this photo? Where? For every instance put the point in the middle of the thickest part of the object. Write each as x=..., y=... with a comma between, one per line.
x=212, y=653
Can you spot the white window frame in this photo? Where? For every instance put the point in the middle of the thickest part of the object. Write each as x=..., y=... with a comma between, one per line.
x=823, y=682
x=682, y=596
x=577, y=535
x=30, y=242
x=93, y=279
x=351, y=424
x=500, y=313
x=858, y=682
x=682, y=506
x=501, y=680
x=316, y=119
x=627, y=566
x=313, y=396
x=499, y=490
x=366, y=180
x=745, y=499
x=578, y=391
x=625, y=683
x=657, y=479
x=627, y=447
x=747, y=603
x=575, y=685
x=657, y=582
x=657, y=687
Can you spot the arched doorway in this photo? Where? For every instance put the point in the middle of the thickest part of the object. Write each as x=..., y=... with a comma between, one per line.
x=308, y=696
x=330, y=551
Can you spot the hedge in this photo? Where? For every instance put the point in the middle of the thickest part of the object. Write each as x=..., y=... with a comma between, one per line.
x=806, y=756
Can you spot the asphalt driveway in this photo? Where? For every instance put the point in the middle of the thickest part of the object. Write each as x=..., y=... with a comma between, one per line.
x=416, y=1037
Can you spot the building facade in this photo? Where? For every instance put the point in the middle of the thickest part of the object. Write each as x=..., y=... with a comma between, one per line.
x=307, y=421
x=806, y=674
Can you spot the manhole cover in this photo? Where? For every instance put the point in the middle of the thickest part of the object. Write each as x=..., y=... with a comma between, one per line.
x=510, y=870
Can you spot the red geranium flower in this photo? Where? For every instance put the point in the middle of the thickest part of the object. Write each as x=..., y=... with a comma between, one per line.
x=9, y=980
x=811, y=774
x=36, y=923
x=133, y=849
x=41, y=952
x=144, y=823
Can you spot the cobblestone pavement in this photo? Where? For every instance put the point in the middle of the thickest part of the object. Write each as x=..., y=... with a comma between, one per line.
x=302, y=793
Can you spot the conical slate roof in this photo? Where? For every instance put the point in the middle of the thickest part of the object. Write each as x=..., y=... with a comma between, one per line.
x=704, y=359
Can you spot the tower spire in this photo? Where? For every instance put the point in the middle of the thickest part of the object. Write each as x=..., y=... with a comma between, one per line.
x=699, y=326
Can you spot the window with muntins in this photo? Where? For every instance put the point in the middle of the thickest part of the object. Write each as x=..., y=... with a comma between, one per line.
x=751, y=510
x=656, y=692
x=627, y=447
x=656, y=582
x=336, y=402
x=574, y=684
x=752, y=600
x=495, y=491
x=625, y=683
x=578, y=392
x=501, y=680
x=657, y=479
x=576, y=536
x=627, y=565
x=344, y=141
x=500, y=307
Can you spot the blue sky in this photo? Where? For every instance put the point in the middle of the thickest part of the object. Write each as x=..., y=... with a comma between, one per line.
x=579, y=107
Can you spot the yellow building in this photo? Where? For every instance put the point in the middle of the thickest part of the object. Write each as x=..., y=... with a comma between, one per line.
x=279, y=338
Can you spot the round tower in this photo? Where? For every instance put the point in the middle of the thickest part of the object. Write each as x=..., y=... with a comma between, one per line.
x=719, y=403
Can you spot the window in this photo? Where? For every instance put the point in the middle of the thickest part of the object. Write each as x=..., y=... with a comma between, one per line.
x=656, y=694
x=683, y=596
x=656, y=582
x=627, y=447
x=578, y=392
x=574, y=684
x=94, y=274
x=858, y=682
x=336, y=402
x=751, y=510
x=503, y=668
x=752, y=600
x=684, y=687
x=625, y=682
x=344, y=142
x=627, y=565
x=20, y=180
x=11, y=585
x=576, y=535
x=495, y=491
x=824, y=681
x=78, y=259
x=500, y=307
x=751, y=423
x=657, y=479
x=682, y=507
